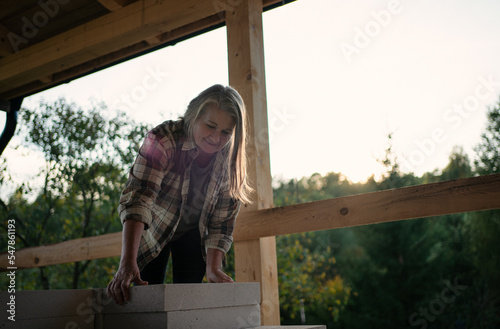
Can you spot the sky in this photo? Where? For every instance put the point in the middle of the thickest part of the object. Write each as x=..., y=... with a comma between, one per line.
x=340, y=77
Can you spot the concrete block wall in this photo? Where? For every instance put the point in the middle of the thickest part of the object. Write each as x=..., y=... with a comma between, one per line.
x=194, y=306
x=40, y=309
x=179, y=306
x=226, y=305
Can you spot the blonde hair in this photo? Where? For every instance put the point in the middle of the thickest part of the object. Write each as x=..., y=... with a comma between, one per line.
x=230, y=101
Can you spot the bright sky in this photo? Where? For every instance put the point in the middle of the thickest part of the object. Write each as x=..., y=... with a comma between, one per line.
x=340, y=76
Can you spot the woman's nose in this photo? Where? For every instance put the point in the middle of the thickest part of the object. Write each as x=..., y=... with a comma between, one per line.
x=216, y=137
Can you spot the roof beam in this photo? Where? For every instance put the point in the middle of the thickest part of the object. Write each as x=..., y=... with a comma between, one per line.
x=5, y=48
x=129, y=30
x=114, y=31
x=113, y=5
x=112, y=58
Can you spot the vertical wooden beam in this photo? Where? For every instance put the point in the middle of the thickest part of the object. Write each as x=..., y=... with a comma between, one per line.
x=255, y=260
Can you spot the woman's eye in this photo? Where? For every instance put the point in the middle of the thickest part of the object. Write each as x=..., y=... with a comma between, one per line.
x=211, y=127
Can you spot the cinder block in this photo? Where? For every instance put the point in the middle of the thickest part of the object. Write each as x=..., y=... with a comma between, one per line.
x=290, y=327
x=173, y=297
x=70, y=322
x=38, y=304
x=134, y=321
x=209, y=305
x=238, y=317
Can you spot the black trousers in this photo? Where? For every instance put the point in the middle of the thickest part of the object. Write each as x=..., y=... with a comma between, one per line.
x=188, y=265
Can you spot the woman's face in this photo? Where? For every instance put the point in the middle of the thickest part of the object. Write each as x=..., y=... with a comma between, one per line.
x=213, y=130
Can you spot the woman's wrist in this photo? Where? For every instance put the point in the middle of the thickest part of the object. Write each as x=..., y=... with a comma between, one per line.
x=214, y=259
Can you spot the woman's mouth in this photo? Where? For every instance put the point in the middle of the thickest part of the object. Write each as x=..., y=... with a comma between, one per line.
x=211, y=143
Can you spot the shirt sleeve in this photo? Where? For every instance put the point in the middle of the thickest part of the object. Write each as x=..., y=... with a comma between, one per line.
x=144, y=180
x=221, y=223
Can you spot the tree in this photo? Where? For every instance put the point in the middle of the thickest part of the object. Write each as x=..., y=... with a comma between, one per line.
x=485, y=229
x=87, y=154
x=396, y=269
x=488, y=150
x=311, y=290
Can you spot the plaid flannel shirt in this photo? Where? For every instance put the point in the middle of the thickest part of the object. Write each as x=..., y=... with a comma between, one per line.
x=157, y=188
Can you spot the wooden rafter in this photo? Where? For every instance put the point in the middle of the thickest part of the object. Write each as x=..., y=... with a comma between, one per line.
x=113, y=5
x=112, y=32
x=5, y=47
x=130, y=29
x=111, y=58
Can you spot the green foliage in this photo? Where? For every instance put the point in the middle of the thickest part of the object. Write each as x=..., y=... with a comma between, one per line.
x=317, y=187
x=87, y=154
x=394, y=275
x=307, y=271
x=488, y=150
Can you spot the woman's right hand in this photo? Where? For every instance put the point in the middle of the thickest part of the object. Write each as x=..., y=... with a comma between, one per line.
x=127, y=273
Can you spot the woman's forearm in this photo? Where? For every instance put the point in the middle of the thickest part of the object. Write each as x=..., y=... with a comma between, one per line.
x=132, y=232
x=214, y=259
x=128, y=272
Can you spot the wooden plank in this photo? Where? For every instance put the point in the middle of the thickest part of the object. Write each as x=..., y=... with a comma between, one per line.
x=113, y=5
x=153, y=41
x=255, y=260
x=5, y=46
x=111, y=58
x=47, y=80
x=121, y=28
x=107, y=34
x=436, y=199
x=103, y=246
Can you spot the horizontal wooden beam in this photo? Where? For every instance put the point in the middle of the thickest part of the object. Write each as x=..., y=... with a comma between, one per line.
x=102, y=246
x=5, y=48
x=114, y=57
x=113, y=5
x=427, y=200
x=124, y=29
x=436, y=199
x=116, y=30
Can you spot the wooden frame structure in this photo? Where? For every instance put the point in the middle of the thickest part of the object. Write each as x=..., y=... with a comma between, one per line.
x=256, y=229
x=110, y=31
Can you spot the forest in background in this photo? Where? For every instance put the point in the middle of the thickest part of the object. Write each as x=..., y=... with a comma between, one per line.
x=437, y=272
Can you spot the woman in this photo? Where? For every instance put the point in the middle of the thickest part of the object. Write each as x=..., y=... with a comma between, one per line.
x=183, y=195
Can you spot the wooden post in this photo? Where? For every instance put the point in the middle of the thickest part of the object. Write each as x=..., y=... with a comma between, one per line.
x=255, y=260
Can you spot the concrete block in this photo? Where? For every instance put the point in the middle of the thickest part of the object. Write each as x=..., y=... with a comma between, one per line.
x=218, y=318
x=237, y=317
x=173, y=297
x=134, y=321
x=38, y=304
x=69, y=322
x=290, y=327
